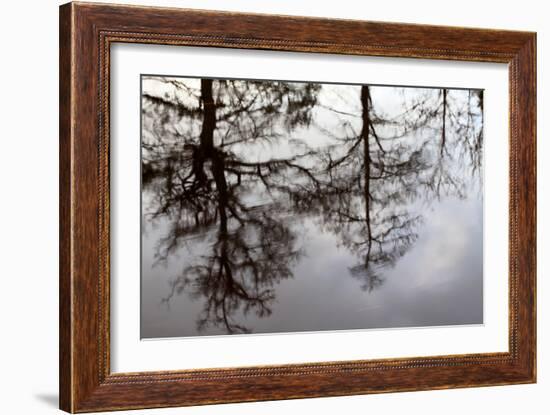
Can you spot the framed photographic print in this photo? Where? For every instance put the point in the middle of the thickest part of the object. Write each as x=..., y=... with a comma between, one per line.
x=258, y=207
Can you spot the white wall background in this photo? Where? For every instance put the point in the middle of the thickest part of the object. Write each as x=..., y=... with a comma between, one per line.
x=28, y=208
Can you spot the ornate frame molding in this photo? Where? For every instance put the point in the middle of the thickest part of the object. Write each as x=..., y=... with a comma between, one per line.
x=86, y=34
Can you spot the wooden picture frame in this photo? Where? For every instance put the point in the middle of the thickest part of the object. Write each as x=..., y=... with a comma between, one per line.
x=86, y=33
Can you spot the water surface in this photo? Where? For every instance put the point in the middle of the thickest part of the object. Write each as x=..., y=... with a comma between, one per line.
x=273, y=207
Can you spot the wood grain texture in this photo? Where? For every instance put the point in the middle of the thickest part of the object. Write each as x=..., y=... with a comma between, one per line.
x=86, y=33
x=65, y=246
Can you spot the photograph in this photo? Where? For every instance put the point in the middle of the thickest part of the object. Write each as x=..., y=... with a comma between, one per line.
x=275, y=206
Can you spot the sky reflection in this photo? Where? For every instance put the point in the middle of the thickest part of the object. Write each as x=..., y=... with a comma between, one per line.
x=282, y=207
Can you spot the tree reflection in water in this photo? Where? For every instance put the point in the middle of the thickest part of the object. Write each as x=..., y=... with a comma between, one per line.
x=235, y=164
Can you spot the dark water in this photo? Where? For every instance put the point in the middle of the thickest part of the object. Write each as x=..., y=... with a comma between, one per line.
x=281, y=207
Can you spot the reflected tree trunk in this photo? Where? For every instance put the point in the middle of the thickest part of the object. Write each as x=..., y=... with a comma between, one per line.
x=443, y=121
x=365, y=99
